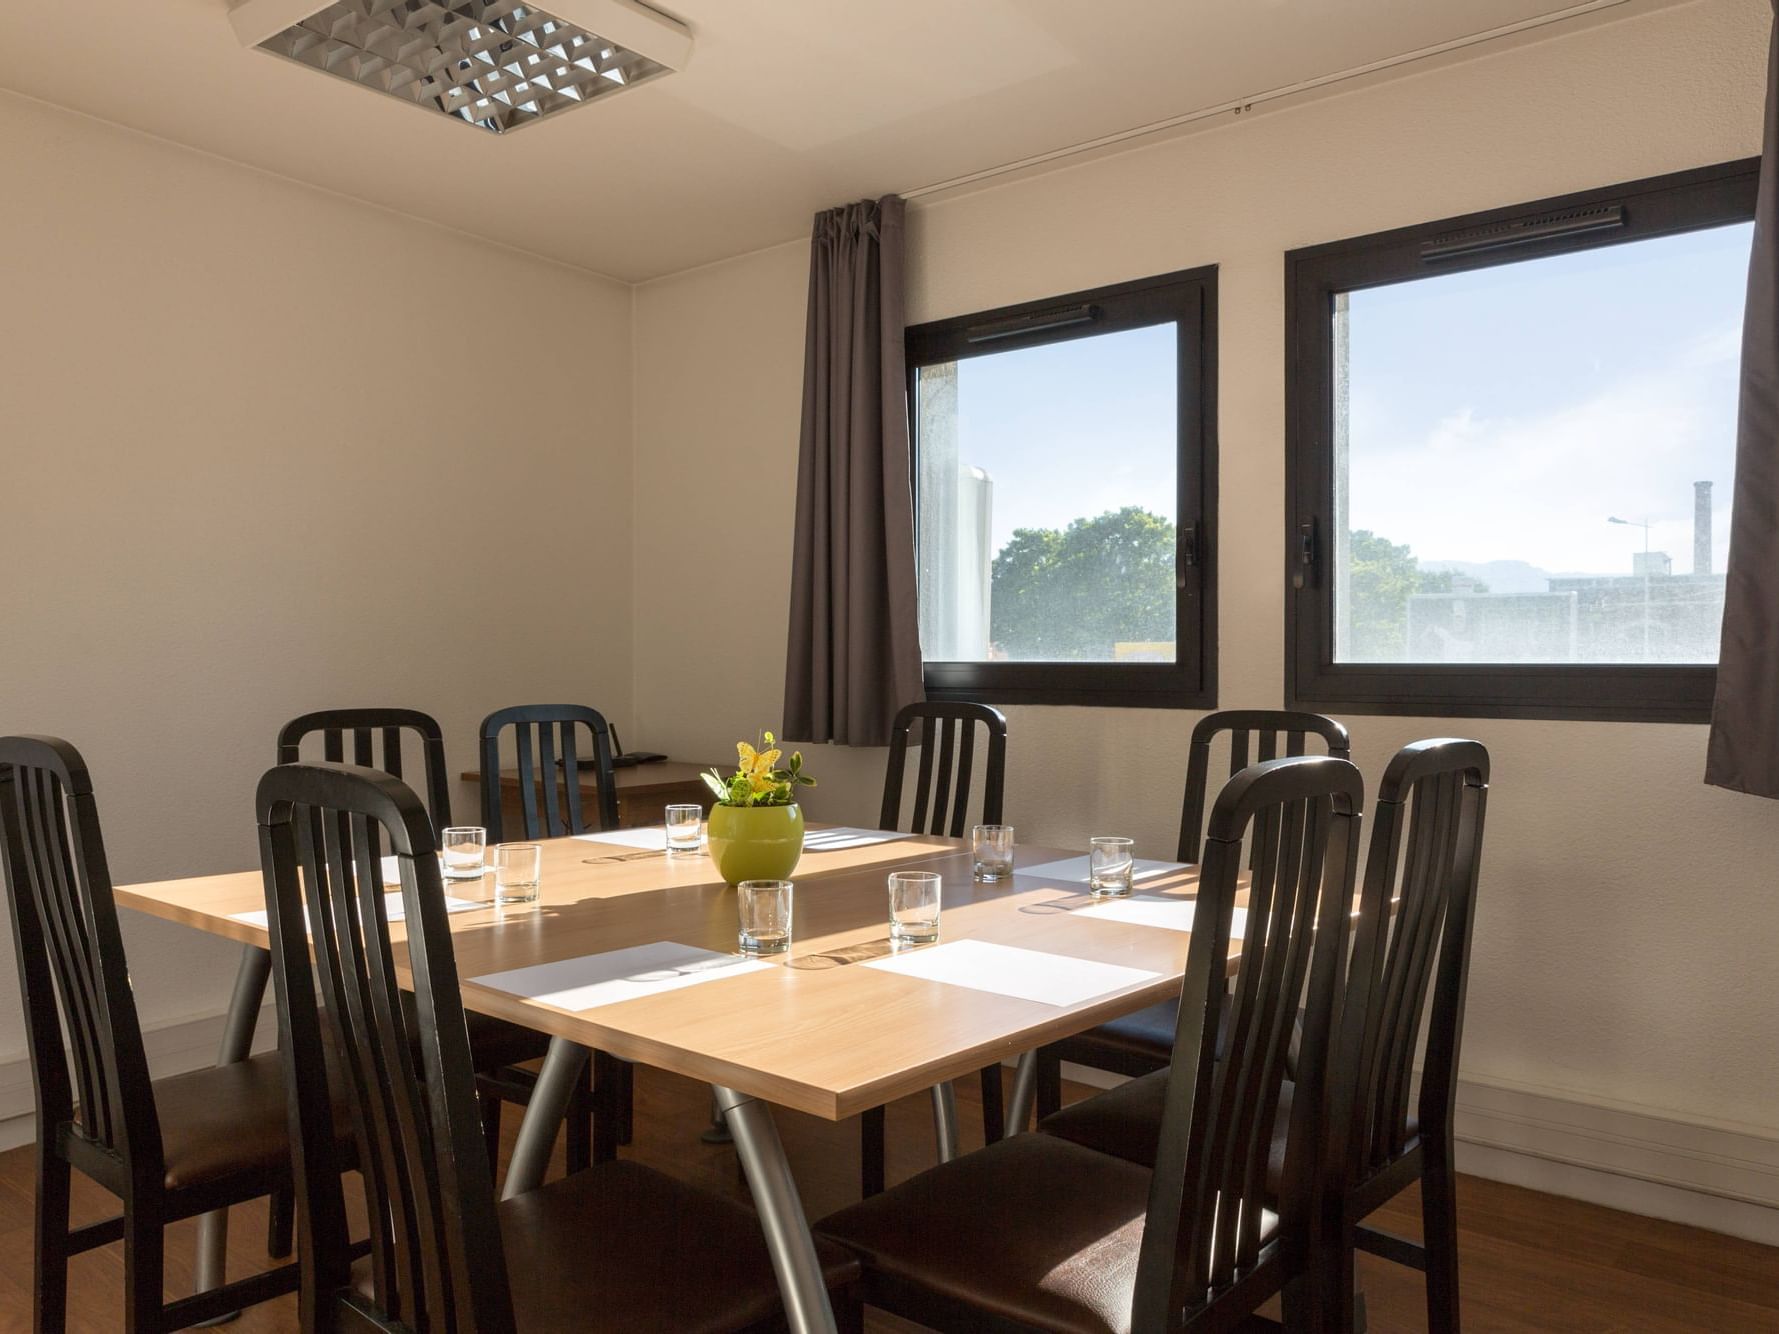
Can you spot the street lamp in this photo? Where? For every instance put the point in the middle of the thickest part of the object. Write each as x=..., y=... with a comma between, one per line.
x=1644, y=525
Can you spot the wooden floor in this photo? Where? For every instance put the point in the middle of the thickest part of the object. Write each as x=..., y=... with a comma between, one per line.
x=1530, y=1261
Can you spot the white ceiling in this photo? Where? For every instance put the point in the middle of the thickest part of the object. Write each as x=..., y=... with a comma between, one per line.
x=787, y=106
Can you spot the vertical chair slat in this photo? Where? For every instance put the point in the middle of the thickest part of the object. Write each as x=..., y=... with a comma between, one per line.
x=527, y=780
x=924, y=778
x=966, y=756
x=942, y=780
x=571, y=777
x=548, y=778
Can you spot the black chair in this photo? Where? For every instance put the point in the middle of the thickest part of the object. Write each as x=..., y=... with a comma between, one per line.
x=549, y=752
x=1426, y=846
x=1037, y=1232
x=552, y=744
x=167, y=1148
x=618, y=1247
x=940, y=803
x=1136, y=1044
x=1428, y=861
x=497, y=1047
x=377, y=743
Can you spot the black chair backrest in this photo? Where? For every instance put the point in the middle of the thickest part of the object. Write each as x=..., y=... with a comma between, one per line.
x=549, y=793
x=1255, y=736
x=947, y=766
x=72, y=971
x=1208, y=1196
x=436, y=1260
x=367, y=727
x=1426, y=849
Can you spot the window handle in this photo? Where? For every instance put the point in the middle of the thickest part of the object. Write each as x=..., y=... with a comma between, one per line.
x=1306, y=553
x=1188, y=552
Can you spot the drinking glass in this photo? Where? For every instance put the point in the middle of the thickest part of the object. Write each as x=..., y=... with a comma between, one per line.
x=683, y=823
x=914, y=906
x=765, y=916
x=517, y=869
x=462, y=846
x=993, y=846
x=1109, y=866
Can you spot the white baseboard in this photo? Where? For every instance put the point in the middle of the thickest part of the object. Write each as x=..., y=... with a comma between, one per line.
x=1722, y=1177
x=173, y=1048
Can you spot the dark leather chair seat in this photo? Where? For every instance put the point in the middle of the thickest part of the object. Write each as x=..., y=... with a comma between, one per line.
x=1145, y=1037
x=227, y=1120
x=1126, y=1122
x=493, y=1043
x=1031, y=1233
x=624, y=1247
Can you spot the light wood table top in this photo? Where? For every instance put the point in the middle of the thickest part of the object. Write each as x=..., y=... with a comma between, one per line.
x=813, y=1032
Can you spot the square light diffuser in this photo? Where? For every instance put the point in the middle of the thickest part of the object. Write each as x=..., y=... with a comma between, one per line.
x=490, y=63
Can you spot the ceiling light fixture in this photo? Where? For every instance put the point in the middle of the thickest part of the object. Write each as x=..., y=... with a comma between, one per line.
x=492, y=63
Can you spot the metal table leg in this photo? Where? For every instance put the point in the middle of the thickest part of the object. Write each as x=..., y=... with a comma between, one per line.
x=237, y=1043
x=945, y=1120
x=556, y=1082
x=806, y=1304
x=1025, y=1090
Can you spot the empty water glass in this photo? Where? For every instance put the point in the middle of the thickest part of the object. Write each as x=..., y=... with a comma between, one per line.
x=993, y=848
x=1109, y=866
x=462, y=847
x=683, y=824
x=517, y=869
x=765, y=907
x=914, y=907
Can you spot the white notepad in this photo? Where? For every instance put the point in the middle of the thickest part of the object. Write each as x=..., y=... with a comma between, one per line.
x=653, y=838
x=1006, y=970
x=592, y=980
x=1160, y=910
x=392, y=902
x=841, y=837
x=1075, y=870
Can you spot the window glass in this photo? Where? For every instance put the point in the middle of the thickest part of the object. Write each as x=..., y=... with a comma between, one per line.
x=1046, y=501
x=1532, y=460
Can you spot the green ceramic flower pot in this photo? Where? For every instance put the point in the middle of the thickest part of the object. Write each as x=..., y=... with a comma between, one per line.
x=755, y=842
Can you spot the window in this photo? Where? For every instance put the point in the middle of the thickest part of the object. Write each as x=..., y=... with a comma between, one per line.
x=1511, y=442
x=1063, y=487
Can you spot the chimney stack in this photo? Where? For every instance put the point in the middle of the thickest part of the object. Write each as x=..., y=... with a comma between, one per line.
x=1701, y=527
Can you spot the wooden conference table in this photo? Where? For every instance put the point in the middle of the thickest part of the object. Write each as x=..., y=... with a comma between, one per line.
x=840, y=1024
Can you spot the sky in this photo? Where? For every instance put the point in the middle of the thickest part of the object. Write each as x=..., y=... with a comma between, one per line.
x=1073, y=429
x=1501, y=414
x=1506, y=413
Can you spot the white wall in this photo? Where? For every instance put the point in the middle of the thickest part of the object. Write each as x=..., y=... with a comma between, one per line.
x=264, y=450
x=1625, y=938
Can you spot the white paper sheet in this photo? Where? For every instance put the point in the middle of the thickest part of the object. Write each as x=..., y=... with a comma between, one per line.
x=653, y=838
x=1160, y=910
x=1006, y=970
x=592, y=980
x=392, y=905
x=1075, y=870
x=842, y=837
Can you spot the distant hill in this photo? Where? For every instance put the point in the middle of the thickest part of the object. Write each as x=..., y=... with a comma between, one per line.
x=1498, y=576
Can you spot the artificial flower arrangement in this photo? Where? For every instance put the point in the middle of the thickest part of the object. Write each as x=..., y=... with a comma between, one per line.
x=756, y=781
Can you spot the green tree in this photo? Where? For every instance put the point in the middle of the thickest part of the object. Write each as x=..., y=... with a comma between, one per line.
x=1070, y=595
x=1381, y=575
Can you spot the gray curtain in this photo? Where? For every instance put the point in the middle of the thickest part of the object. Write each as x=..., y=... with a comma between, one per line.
x=854, y=652
x=1744, y=747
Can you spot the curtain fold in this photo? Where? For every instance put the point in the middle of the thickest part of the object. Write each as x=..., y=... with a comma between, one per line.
x=853, y=656
x=1743, y=753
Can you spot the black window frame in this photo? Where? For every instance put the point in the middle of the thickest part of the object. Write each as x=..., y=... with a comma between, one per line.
x=1187, y=299
x=1641, y=210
